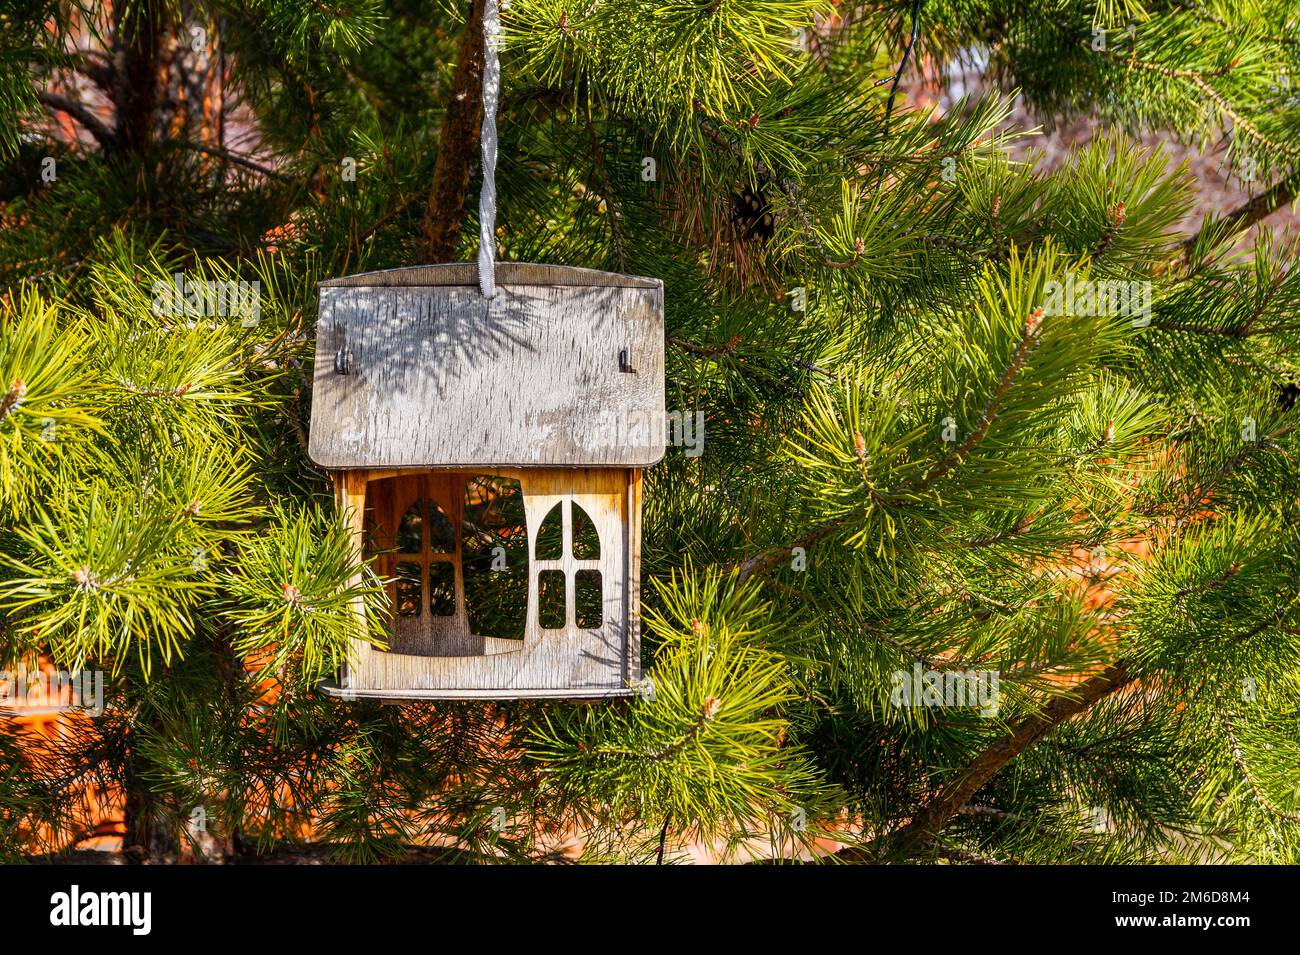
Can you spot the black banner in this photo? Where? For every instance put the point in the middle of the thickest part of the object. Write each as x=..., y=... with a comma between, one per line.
x=138, y=905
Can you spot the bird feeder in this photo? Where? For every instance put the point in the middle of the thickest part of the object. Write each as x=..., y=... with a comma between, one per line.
x=487, y=453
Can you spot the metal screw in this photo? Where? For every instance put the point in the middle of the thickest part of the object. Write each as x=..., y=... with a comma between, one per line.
x=343, y=360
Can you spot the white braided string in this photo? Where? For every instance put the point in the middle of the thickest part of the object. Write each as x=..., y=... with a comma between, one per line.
x=487, y=200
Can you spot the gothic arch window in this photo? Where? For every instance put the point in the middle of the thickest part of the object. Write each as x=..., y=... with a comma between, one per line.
x=567, y=558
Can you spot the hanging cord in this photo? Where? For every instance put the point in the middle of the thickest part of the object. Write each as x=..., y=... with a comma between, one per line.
x=487, y=199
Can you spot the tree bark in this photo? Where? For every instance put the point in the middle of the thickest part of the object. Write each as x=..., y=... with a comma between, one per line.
x=138, y=36
x=149, y=837
x=457, y=145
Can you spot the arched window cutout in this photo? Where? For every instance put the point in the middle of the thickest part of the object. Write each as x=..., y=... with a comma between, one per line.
x=494, y=558
x=551, y=610
x=409, y=599
x=588, y=600
x=550, y=535
x=442, y=536
x=586, y=540
x=410, y=532
x=442, y=589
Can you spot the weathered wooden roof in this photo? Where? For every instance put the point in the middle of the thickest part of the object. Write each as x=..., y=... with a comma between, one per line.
x=564, y=367
x=508, y=273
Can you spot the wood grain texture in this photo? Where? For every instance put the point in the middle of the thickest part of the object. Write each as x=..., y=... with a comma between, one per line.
x=507, y=273
x=442, y=377
x=570, y=662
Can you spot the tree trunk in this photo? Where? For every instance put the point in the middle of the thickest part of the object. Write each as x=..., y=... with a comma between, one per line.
x=457, y=144
x=151, y=835
x=137, y=36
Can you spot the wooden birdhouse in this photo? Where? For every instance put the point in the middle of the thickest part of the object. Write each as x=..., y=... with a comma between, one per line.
x=488, y=454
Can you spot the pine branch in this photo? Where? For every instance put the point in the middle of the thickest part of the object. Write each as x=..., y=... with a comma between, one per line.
x=674, y=747
x=106, y=138
x=231, y=157
x=964, y=856
x=786, y=185
x=959, y=454
x=765, y=561
x=1195, y=499
x=1113, y=225
x=1239, y=757
x=1198, y=79
x=705, y=351
x=1283, y=192
x=1020, y=527
x=95, y=66
x=13, y=399
x=936, y=815
x=770, y=558
x=1208, y=586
